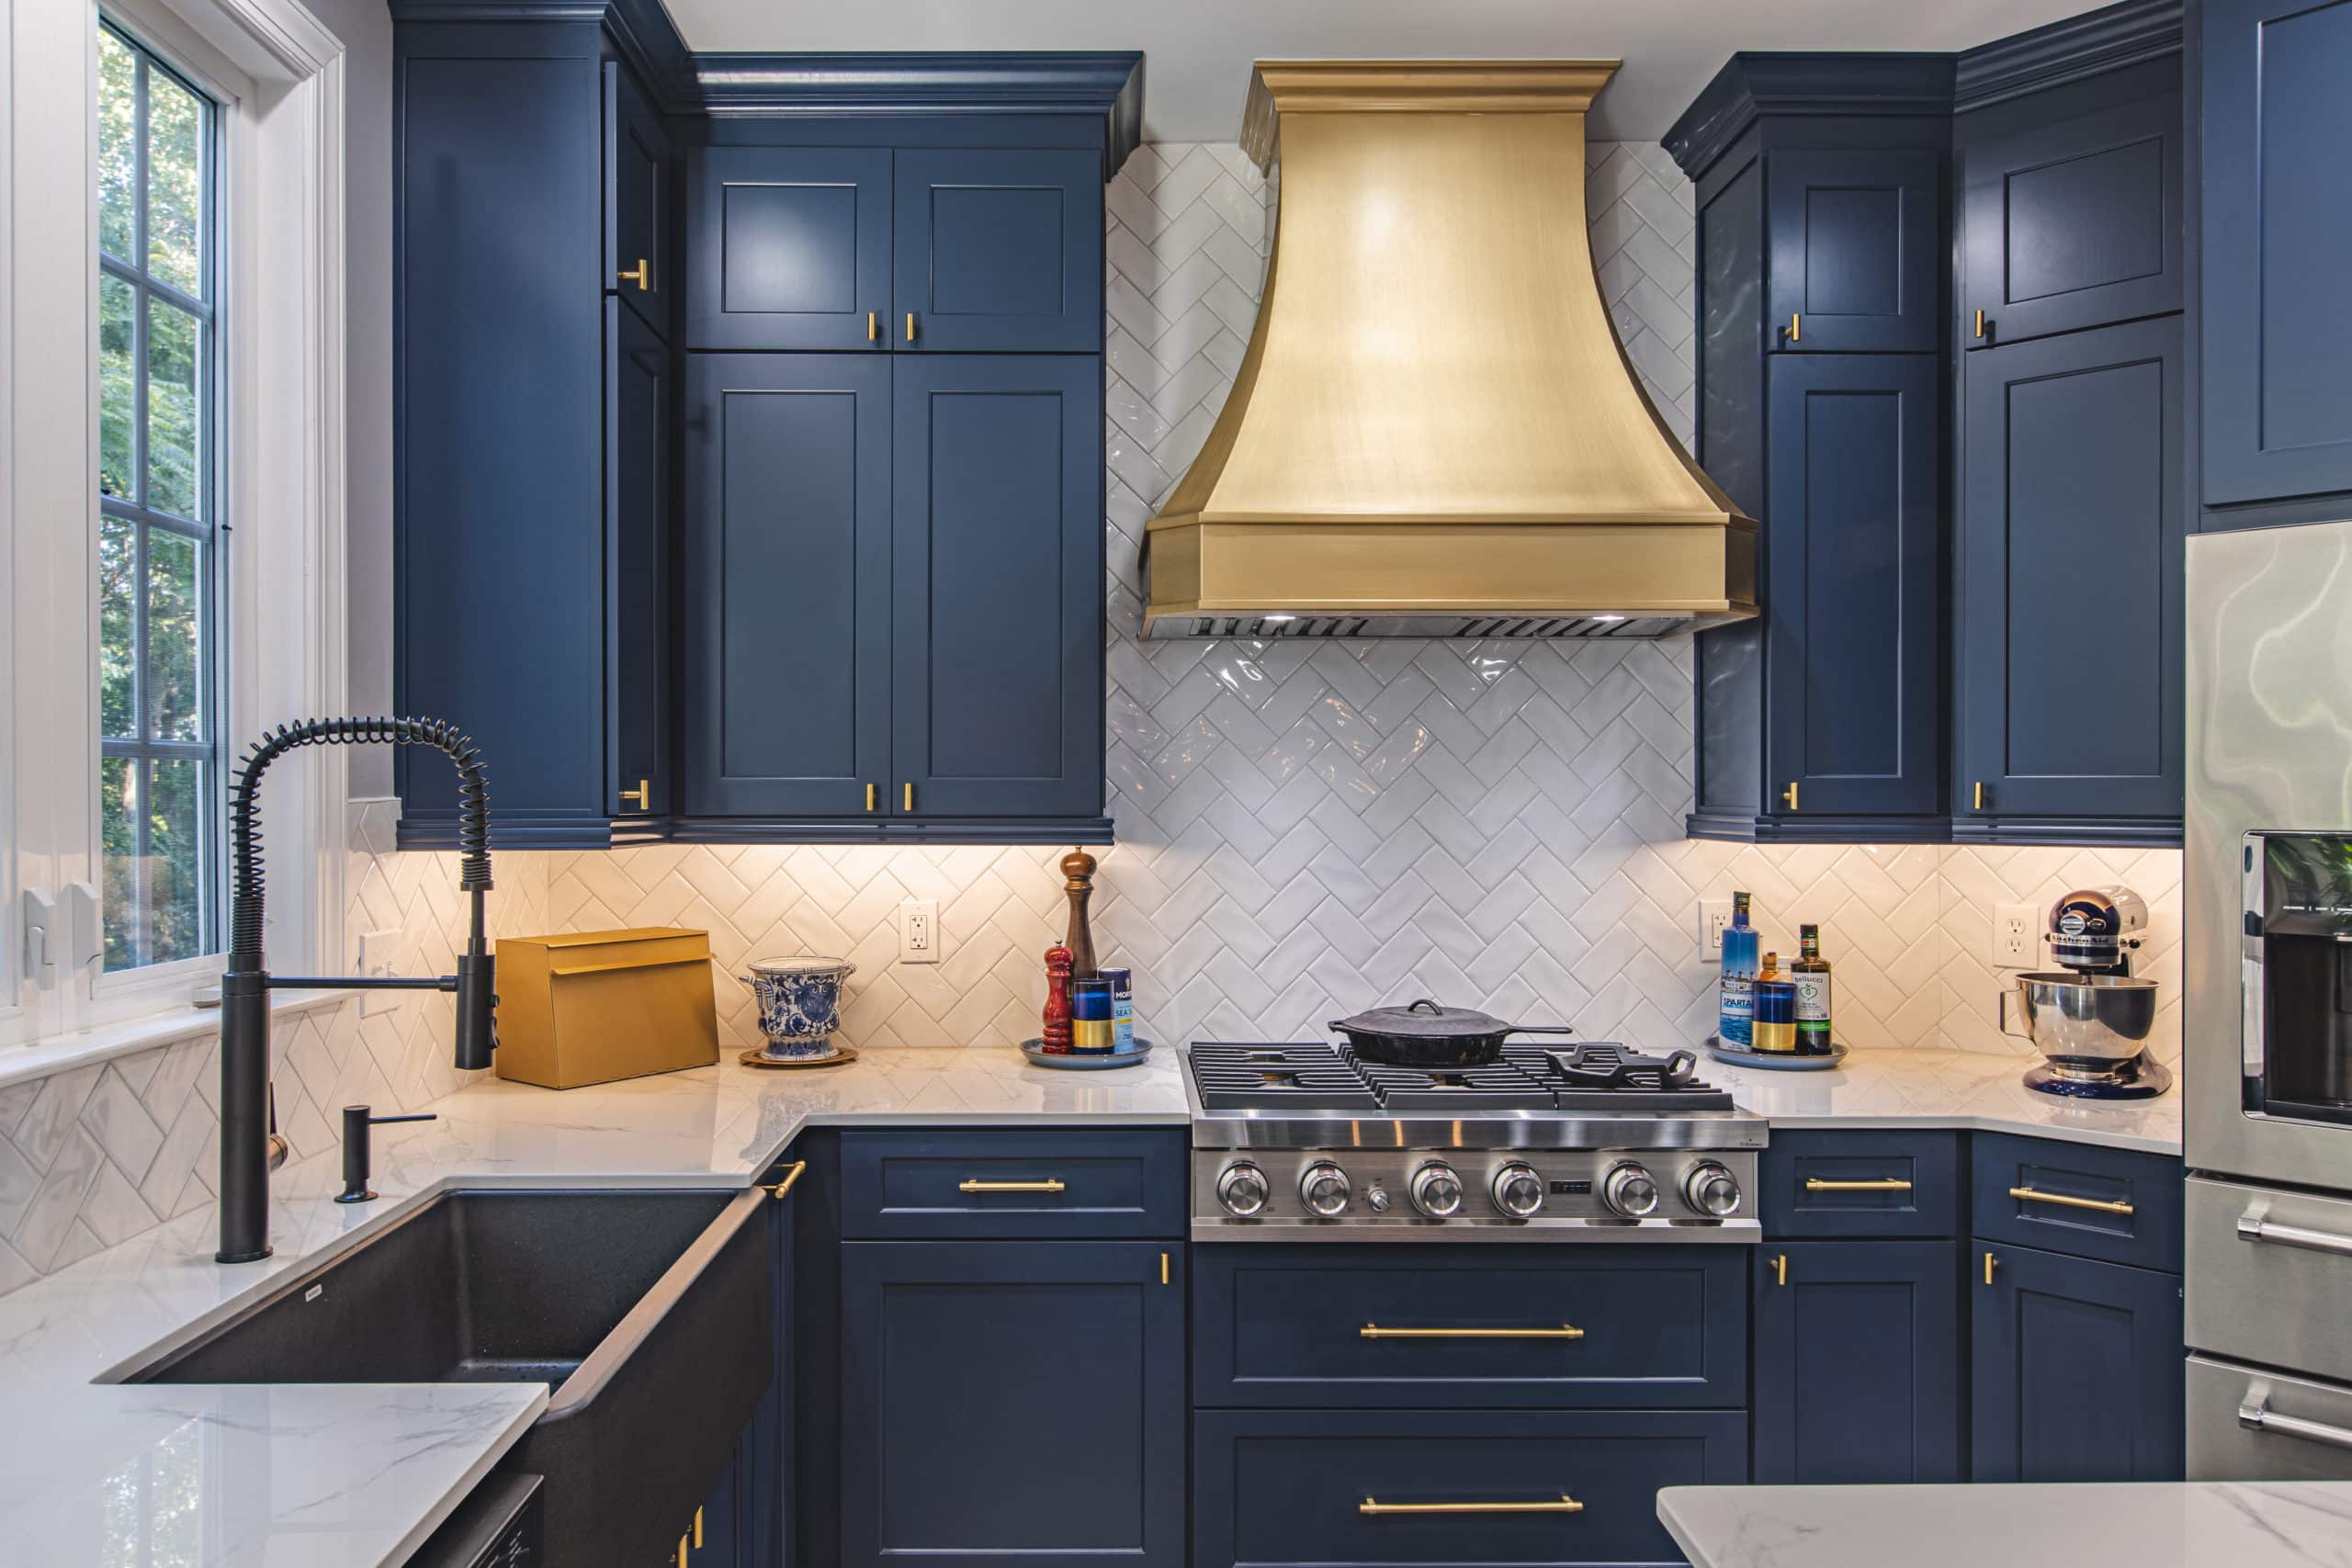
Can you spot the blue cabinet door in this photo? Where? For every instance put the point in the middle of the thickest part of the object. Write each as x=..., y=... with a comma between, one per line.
x=1854, y=592
x=1013, y=1402
x=790, y=248
x=2075, y=1371
x=787, y=570
x=2069, y=664
x=2278, y=132
x=997, y=250
x=1857, y=1364
x=639, y=403
x=997, y=489
x=639, y=202
x=1854, y=254
x=2071, y=225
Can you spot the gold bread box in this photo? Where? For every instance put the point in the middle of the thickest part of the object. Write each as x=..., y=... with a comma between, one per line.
x=591, y=1007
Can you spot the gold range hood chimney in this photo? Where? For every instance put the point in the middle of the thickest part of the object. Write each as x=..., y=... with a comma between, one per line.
x=1434, y=432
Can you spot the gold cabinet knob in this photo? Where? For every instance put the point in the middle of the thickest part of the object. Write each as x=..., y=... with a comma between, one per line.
x=907, y=799
x=1790, y=796
x=873, y=797
x=873, y=326
x=642, y=274
x=1980, y=323
x=1988, y=1268
x=643, y=794
x=911, y=326
x=1980, y=794
x=1796, y=327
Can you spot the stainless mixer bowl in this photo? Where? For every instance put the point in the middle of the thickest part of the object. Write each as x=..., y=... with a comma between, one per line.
x=2084, y=1023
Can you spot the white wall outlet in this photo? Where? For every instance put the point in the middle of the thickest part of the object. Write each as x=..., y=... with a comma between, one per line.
x=1715, y=914
x=918, y=930
x=379, y=955
x=2017, y=935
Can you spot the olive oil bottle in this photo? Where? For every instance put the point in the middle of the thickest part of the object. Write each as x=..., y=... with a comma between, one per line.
x=1811, y=973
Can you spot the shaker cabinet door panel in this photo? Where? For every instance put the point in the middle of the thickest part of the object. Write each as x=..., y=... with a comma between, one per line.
x=1853, y=252
x=638, y=201
x=1854, y=591
x=998, y=494
x=2277, y=135
x=787, y=644
x=791, y=248
x=2073, y=225
x=998, y=250
x=2068, y=666
x=639, y=403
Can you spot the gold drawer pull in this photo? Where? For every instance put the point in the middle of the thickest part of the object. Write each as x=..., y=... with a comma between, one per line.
x=1373, y=1331
x=778, y=1188
x=1876, y=1184
x=2103, y=1205
x=1048, y=1185
x=1566, y=1505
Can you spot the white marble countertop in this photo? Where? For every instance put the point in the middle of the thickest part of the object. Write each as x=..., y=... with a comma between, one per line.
x=2208, y=1524
x=328, y=1476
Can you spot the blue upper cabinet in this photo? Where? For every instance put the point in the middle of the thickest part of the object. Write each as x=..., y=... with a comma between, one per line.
x=1855, y=257
x=2276, y=335
x=791, y=248
x=640, y=206
x=998, y=250
x=1854, y=585
x=2071, y=540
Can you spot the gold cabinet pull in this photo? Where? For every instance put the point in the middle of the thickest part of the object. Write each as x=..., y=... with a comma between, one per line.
x=1980, y=794
x=2104, y=1205
x=1373, y=1331
x=908, y=799
x=1980, y=323
x=1566, y=1505
x=1796, y=327
x=682, y=1551
x=975, y=1185
x=873, y=797
x=1790, y=794
x=1875, y=1184
x=778, y=1188
x=1988, y=1268
x=1163, y=1267
x=1780, y=1269
x=873, y=326
x=643, y=794
x=642, y=277
x=911, y=326
x=698, y=1528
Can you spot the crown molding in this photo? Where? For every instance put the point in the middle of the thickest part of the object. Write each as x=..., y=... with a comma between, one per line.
x=1754, y=86
x=641, y=31
x=2067, y=51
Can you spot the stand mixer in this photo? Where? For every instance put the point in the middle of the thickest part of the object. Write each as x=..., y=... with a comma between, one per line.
x=2092, y=1018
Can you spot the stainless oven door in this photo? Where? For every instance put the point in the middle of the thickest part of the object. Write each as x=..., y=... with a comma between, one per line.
x=2269, y=786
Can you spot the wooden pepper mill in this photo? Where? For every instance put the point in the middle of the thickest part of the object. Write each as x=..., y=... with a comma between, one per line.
x=1054, y=1032
x=1078, y=867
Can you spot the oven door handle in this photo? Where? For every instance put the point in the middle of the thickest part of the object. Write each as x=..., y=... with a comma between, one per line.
x=2254, y=1224
x=2256, y=1415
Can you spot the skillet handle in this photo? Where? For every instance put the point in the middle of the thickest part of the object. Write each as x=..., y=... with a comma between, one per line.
x=1538, y=1029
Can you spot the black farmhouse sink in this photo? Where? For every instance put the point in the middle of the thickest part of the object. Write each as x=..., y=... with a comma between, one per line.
x=649, y=1313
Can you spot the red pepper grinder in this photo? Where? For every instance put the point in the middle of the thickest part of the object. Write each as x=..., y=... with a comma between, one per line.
x=1055, y=1041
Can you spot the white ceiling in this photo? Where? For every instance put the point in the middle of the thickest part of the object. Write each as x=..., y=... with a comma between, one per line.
x=1198, y=51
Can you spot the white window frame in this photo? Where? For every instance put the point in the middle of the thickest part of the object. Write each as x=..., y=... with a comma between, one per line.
x=277, y=74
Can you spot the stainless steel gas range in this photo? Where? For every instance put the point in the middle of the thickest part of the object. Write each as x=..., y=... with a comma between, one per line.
x=1302, y=1142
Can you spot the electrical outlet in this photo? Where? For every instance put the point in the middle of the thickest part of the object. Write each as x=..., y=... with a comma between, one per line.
x=2017, y=935
x=918, y=930
x=1715, y=914
x=379, y=956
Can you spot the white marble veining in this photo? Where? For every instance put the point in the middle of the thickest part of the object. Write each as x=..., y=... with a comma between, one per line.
x=254, y=1478
x=2145, y=1525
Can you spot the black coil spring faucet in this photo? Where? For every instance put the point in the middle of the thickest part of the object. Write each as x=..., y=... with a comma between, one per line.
x=246, y=985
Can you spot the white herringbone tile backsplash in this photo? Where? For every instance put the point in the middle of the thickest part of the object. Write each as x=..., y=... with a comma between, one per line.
x=1303, y=831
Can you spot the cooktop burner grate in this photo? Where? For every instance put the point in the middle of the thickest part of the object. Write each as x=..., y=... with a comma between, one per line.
x=1243, y=1076
x=1322, y=1075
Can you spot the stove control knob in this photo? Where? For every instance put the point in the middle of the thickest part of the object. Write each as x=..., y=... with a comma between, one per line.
x=1518, y=1191
x=1241, y=1188
x=1437, y=1191
x=1710, y=1190
x=1323, y=1187
x=1629, y=1192
x=1376, y=1198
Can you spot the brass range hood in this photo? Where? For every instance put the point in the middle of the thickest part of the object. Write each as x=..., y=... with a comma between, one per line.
x=1434, y=432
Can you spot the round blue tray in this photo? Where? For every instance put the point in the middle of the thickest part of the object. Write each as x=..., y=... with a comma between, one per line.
x=1091, y=1062
x=1774, y=1061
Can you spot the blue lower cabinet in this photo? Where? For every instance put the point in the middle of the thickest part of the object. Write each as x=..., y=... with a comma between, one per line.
x=715, y=1538
x=1013, y=1402
x=1336, y=1325
x=1858, y=1364
x=2077, y=1368
x=1348, y=1487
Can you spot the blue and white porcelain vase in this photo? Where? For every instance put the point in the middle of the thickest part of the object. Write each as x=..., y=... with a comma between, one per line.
x=801, y=1004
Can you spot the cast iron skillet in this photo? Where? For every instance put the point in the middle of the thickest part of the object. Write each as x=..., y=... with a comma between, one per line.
x=1427, y=1035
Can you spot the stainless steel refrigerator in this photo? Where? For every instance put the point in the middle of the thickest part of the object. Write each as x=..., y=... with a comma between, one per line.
x=2268, y=1019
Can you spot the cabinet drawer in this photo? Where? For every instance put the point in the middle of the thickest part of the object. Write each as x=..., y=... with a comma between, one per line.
x=2247, y=1424
x=2113, y=1204
x=1650, y=1327
x=962, y=1184
x=2273, y=1272
x=1278, y=1487
x=1882, y=1183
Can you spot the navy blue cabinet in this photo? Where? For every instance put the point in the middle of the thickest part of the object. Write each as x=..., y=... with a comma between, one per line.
x=2071, y=540
x=1854, y=589
x=640, y=403
x=2075, y=1369
x=787, y=567
x=2276, y=403
x=1854, y=253
x=1857, y=1366
x=791, y=248
x=1012, y=1402
x=641, y=207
